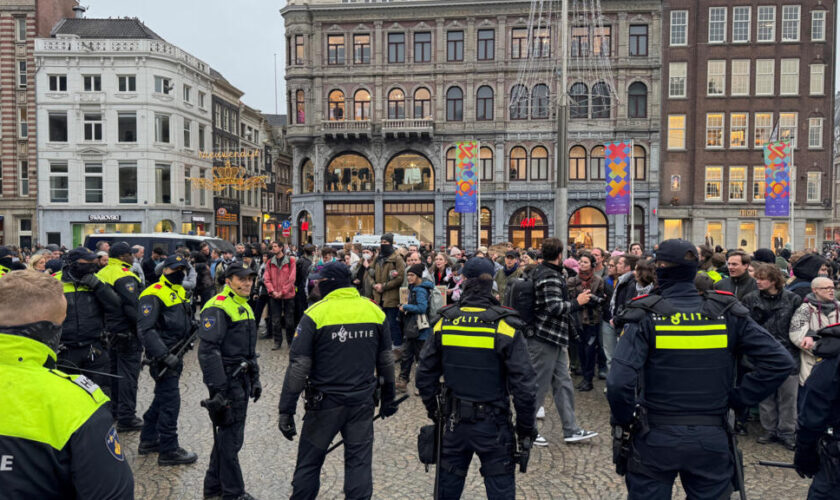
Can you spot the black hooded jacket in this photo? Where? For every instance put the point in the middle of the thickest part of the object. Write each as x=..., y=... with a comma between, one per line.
x=806, y=269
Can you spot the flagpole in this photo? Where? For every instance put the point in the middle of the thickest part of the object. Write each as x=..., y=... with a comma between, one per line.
x=478, y=197
x=792, y=196
x=632, y=171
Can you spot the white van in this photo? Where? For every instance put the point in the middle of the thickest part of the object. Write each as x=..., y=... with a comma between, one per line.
x=372, y=240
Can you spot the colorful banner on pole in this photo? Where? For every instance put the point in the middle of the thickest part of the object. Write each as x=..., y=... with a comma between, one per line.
x=777, y=179
x=466, y=176
x=618, y=176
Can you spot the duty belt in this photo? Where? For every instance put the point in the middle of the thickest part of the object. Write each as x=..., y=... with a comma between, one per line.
x=468, y=411
x=699, y=420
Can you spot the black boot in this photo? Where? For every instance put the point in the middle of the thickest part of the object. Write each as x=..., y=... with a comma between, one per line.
x=178, y=457
x=147, y=447
x=132, y=425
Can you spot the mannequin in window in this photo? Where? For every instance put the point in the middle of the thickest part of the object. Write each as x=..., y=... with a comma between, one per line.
x=355, y=182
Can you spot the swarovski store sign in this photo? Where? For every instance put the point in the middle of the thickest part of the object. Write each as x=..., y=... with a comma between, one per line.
x=104, y=218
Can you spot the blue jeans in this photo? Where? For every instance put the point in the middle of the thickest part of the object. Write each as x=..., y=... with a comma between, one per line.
x=392, y=314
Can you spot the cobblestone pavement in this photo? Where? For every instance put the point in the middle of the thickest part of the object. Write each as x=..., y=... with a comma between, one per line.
x=579, y=471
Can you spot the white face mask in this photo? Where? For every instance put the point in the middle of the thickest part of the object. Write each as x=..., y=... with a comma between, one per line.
x=366, y=256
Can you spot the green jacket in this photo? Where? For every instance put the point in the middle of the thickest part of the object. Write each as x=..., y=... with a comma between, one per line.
x=502, y=280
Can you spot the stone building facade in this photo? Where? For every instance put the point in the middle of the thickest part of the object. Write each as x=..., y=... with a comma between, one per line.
x=379, y=93
x=735, y=76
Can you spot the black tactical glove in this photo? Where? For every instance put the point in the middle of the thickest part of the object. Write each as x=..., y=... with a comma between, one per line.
x=286, y=424
x=170, y=361
x=523, y=432
x=90, y=281
x=387, y=408
x=256, y=390
x=219, y=409
x=806, y=461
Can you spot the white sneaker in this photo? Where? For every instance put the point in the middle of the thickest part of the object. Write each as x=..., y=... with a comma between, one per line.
x=541, y=413
x=540, y=441
x=579, y=436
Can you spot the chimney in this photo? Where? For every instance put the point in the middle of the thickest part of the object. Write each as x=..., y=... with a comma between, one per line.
x=79, y=11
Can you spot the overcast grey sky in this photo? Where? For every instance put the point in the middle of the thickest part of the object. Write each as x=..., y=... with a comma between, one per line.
x=239, y=38
x=236, y=37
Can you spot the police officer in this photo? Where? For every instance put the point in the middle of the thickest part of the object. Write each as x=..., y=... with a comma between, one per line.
x=338, y=344
x=163, y=325
x=6, y=263
x=228, y=359
x=83, y=332
x=818, y=434
x=479, y=348
x=56, y=434
x=678, y=352
x=126, y=352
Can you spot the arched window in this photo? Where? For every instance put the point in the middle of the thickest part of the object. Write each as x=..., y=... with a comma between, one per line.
x=409, y=172
x=539, y=164
x=422, y=104
x=539, y=98
x=336, y=102
x=527, y=228
x=487, y=164
x=588, y=228
x=348, y=172
x=454, y=104
x=486, y=227
x=307, y=177
x=600, y=100
x=596, y=163
x=577, y=164
x=451, y=163
x=484, y=103
x=637, y=100
x=300, y=107
x=362, y=102
x=579, y=107
x=639, y=163
x=518, y=162
x=519, y=102
x=396, y=104
x=453, y=228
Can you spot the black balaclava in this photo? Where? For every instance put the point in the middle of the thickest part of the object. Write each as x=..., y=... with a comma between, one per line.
x=177, y=277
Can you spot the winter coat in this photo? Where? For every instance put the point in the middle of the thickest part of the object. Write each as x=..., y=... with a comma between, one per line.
x=806, y=269
x=502, y=279
x=418, y=303
x=591, y=312
x=389, y=272
x=740, y=286
x=774, y=313
x=811, y=316
x=280, y=277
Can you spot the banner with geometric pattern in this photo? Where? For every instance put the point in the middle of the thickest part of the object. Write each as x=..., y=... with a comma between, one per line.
x=777, y=179
x=466, y=177
x=618, y=176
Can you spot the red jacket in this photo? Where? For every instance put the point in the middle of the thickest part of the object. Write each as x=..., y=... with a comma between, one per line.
x=280, y=279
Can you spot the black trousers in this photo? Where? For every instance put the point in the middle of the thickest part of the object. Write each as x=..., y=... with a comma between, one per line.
x=259, y=306
x=411, y=352
x=355, y=423
x=126, y=358
x=224, y=474
x=491, y=438
x=90, y=357
x=160, y=422
x=282, y=318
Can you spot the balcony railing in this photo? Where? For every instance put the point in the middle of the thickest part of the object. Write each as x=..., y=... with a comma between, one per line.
x=407, y=126
x=347, y=128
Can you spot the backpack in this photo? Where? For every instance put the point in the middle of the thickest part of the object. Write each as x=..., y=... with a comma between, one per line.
x=436, y=302
x=520, y=295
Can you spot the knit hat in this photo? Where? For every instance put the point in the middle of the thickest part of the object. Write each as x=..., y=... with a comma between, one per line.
x=764, y=255
x=416, y=269
x=389, y=237
x=455, y=252
x=572, y=264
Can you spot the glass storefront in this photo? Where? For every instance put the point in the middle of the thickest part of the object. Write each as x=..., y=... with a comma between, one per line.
x=527, y=228
x=486, y=227
x=748, y=237
x=250, y=229
x=345, y=220
x=811, y=235
x=714, y=233
x=417, y=219
x=453, y=228
x=673, y=229
x=780, y=237
x=348, y=172
x=307, y=177
x=588, y=228
x=80, y=231
x=164, y=226
x=194, y=227
x=409, y=172
x=304, y=227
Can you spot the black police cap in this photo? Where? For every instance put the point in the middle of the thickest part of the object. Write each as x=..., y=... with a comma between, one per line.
x=120, y=249
x=81, y=253
x=175, y=261
x=237, y=269
x=677, y=251
x=477, y=266
x=332, y=271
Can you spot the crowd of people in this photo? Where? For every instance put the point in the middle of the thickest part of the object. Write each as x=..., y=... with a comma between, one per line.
x=135, y=300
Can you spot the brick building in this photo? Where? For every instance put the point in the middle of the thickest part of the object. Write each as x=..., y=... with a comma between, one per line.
x=736, y=75
x=21, y=21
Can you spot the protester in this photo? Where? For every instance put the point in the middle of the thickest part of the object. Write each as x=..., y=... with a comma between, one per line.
x=589, y=317
x=819, y=309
